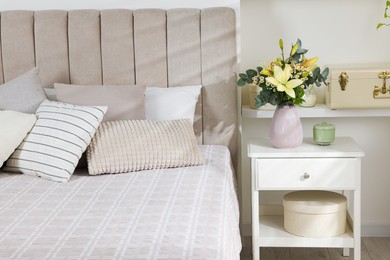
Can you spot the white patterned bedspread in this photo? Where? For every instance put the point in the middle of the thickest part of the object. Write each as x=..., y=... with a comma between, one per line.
x=183, y=213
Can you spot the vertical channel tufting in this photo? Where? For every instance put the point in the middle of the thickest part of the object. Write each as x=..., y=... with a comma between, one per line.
x=183, y=30
x=51, y=46
x=219, y=68
x=84, y=47
x=17, y=34
x=184, y=54
x=1, y=58
x=150, y=45
x=117, y=47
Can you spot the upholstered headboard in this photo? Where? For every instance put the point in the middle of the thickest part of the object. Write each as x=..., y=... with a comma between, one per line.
x=153, y=47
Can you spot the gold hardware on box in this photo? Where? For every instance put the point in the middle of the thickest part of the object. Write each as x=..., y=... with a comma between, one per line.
x=343, y=80
x=383, y=90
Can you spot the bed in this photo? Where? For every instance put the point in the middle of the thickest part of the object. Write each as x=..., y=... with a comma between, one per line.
x=177, y=213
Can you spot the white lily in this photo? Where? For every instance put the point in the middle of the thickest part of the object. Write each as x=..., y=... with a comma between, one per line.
x=281, y=80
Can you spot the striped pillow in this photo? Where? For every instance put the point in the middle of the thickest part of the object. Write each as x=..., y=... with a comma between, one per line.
x=55, y=144
x=135, y=145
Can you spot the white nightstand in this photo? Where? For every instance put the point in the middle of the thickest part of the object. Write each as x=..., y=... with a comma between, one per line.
x=309, y=167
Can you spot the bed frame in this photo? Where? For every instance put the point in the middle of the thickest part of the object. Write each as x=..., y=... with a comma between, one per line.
x=154, y=47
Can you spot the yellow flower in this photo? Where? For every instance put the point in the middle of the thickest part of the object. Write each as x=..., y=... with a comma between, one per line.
x=309, y=63
x=266, y=72
x=294, y=49
x=281, y=80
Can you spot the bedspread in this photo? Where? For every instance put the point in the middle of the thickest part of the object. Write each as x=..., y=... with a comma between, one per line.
x=181, y=213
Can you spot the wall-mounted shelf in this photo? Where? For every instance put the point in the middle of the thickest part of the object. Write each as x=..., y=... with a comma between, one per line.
x=320, y=110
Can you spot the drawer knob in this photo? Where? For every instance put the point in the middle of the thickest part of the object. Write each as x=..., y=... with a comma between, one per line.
x=306, y=176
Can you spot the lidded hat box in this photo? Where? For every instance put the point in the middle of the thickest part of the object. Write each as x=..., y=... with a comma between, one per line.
x=311, y=213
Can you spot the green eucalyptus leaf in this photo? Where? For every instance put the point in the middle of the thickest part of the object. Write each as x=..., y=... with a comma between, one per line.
x=251, y=73
x=299, y=43
x=296, y=57
x=302, y=51
x=325, y=73
x=241, y=82
x=309, y=81
x=318, y=84
x=243, y=76
x=273, y=101
x=259, y=69
x=316, y=72
x=262, y=98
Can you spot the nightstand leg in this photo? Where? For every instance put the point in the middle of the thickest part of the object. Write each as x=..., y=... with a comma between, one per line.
x=255, y=215
x=255, y=225
x=345, y=251
x=356, y=223
x=357, y=200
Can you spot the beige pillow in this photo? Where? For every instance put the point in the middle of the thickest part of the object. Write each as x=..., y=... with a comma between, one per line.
x=135, y=145
x=124, y=102
x=14, y=127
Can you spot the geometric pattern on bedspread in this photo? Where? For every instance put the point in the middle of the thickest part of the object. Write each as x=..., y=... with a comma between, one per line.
x=181, y=213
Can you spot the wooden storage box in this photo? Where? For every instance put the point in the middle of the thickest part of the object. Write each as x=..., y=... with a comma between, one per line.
x=363, y=86
x=315, y=213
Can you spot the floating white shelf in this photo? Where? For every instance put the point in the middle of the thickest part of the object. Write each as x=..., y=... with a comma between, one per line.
x=320, y=110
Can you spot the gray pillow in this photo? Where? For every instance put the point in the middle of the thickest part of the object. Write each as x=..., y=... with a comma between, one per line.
x=51, y=94
x=23, y=93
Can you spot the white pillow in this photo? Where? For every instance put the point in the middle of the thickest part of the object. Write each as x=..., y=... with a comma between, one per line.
x=171, y=103
x=14, y=127
x=55, y=144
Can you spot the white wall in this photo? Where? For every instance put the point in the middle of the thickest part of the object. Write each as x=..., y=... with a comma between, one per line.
x=339, y=32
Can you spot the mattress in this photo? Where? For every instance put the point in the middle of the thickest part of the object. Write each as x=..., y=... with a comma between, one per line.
x=181, y=213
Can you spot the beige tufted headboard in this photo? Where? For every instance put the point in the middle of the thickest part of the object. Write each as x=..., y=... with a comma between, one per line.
x=153, y=47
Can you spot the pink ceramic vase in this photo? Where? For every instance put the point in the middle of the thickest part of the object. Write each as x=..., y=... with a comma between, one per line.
x=286, y=127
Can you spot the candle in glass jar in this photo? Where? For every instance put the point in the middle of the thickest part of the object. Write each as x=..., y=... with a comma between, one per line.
x=324, y=133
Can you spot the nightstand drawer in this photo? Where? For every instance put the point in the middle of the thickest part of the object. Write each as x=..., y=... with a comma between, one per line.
x=309, y=173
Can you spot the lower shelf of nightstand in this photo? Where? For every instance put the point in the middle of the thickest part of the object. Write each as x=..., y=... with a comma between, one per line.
x=272, y=234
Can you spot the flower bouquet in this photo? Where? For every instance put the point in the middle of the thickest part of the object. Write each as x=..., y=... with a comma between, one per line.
x=284, y=80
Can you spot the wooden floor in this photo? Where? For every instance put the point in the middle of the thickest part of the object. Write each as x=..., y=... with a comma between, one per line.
x=373, y=248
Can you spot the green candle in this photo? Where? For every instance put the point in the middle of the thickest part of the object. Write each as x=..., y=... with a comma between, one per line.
x=323, y=133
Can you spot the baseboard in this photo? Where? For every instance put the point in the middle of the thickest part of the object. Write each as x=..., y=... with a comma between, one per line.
x=376, y=229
